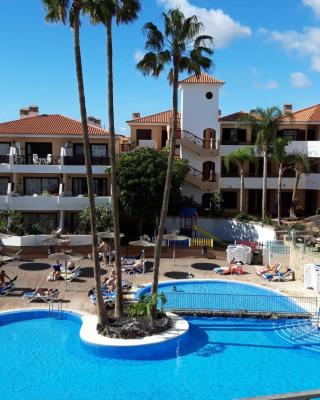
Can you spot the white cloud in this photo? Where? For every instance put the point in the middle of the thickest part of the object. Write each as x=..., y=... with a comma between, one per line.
x=305, y=43
x=314, y=4
x=300, y=80
x=271, y=85
x=217, y=24
x=138, y=55
x=255, y=71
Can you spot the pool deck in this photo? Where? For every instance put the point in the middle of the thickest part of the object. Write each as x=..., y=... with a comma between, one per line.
x=73, y=295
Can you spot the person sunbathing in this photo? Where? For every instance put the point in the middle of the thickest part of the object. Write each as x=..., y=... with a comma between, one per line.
x=3, y=277
x=45, y=292
x=109, y=284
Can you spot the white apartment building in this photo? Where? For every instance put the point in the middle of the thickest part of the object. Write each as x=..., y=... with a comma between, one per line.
x=205, y=138
x=42, y=171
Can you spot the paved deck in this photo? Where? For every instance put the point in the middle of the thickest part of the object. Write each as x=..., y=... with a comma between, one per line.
x=73, y=295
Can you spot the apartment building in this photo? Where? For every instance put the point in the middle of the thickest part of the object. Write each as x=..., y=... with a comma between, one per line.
x=42, y=171
x=205, y=138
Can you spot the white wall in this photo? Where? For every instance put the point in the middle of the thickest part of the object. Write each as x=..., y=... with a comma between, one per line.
x=199, y=113
x=37, y=240
x=229, y=229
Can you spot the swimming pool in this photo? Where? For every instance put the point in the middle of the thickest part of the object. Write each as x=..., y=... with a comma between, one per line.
x=224, y=358
x=225, y=296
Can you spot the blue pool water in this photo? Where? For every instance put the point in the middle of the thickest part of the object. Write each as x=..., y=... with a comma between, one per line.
x=222, y=359
x=222, y=295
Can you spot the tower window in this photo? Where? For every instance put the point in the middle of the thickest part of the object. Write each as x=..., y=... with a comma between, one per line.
x=209, y=95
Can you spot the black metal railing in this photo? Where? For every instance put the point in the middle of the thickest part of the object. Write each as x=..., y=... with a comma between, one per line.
x=185, y=301
x=4, y=159
x=205, y=144
x=202, y=176
x=36, y=159
x=125, y=147
x=79, y=160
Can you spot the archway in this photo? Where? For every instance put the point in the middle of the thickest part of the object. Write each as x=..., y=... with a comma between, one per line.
x=209, y=138
x=208, y=171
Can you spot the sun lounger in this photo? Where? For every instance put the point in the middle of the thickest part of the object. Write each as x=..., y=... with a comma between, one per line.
x=284, y=276
x=8, y=287
x=47, y=298
x=69, y=275
x=108, y=298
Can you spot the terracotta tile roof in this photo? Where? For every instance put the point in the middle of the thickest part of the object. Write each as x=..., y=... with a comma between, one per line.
x=310, y=114
x=233, y=117
x=53, y=124
x=164, y=117
x=203, y=78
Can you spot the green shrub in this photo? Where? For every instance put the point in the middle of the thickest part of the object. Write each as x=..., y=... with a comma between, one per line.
x=318, y=211
x=143, y=307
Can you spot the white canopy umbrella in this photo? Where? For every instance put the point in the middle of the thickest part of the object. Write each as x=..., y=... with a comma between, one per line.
x=142, y=242
x=175, y=237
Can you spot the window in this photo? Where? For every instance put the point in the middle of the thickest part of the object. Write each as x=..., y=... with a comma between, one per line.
x=233, y=170
x=46, y=222
x=230, y=200
x=233, y=135
x=3, y=186
x=292, y=134
x=79, y=186
x=4, y=149
x=144, y=134
x=209, y=95
x=40, y=185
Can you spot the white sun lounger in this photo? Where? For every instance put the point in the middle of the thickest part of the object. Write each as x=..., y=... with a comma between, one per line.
x=31, y=296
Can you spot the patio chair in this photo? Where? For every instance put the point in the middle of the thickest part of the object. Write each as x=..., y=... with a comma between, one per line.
x=108, y=298
x=47, y=298
x=70, y=275
x=8, y=287
x=284, y=276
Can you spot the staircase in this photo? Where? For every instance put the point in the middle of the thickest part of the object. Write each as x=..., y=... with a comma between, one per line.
x=195, y=177
x=196, y=144
x=301, y=332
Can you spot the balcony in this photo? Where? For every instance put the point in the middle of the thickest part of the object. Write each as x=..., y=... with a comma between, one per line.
x=50, y=203
x=79, y=160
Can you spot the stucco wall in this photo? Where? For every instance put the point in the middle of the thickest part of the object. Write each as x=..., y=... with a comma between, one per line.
x=229, y=229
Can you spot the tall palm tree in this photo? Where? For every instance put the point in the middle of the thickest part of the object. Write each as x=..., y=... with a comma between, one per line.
x=300, y=164
x=104, y=12
x=265, y=124
x=181, y=47
x=240, y=157
x=280, y=155
x=63, y=11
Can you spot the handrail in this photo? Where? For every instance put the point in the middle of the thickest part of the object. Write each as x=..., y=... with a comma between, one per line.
x=191, y=137
x=200, y=175
x=307, y=395
x=126, y=147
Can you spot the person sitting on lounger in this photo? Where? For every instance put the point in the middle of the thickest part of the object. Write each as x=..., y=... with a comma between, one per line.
x=45, y=292
x=3, y=277
x=56, y=270
x=110, y=283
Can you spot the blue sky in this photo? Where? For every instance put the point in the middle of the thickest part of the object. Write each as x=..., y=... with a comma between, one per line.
x=268, y=52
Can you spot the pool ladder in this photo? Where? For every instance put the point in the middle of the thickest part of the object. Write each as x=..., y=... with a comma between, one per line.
x=55, y=310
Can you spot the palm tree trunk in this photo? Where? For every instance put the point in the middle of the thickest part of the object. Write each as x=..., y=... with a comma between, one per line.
x=101, y=311
x=294, y=193
x=114, y=196
x=167, y=187
x=279, y=193
x=241, y=189
x=264, y=184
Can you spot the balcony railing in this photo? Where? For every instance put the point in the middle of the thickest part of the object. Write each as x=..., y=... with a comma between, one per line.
x=125, y=147
x=36, y=159
x=205, y=144
x=79, y=160
x=236, y=143
x=202, y=176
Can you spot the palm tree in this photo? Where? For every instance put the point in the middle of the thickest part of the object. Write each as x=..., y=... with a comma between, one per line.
x=181, y=48
x=265, y=124
x=240, y=157
x=282, y=158
x=63, y=11
x=104, y=12
x=300, y=163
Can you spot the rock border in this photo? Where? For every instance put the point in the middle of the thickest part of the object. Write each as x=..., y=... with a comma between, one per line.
x=89, y=335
